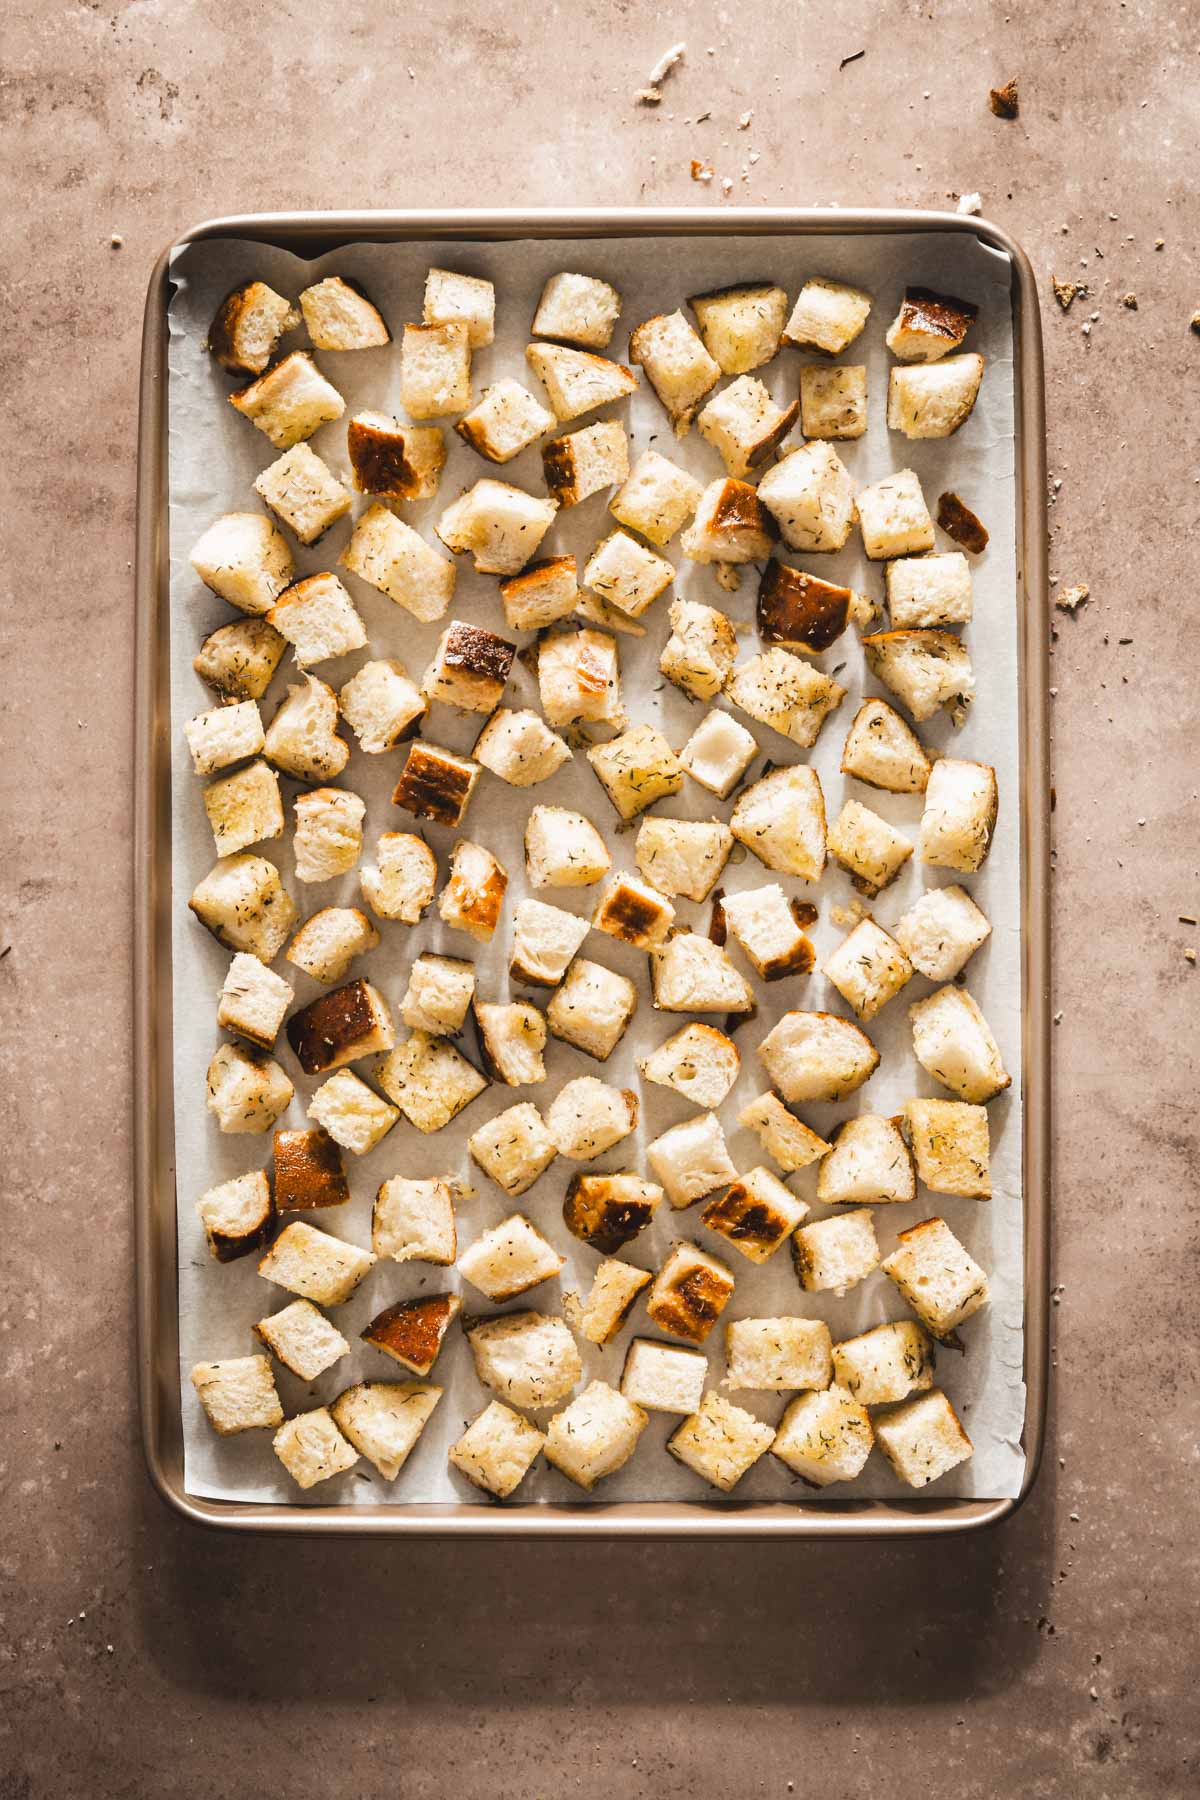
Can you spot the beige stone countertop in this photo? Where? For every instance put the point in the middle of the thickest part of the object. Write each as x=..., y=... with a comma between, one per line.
x=1052, y=1657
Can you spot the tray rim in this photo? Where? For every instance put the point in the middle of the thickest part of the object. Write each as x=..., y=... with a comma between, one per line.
x=160, y=1396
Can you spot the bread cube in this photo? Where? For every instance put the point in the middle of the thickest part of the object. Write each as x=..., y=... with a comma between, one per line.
x=514, y=1148
x=290, y=401
x=961, y=803
x=328, y=836
x=657, y=498
x=248, y=325
x=868, y=969
x=833, y=402
x=239, y=660
x=579, y=680
x=731, y=525
x=959, y=522
x=817, y=1056
x=691, y=1159
x=544, y=940
x=224, y=736
x=663, y=1377
x=701, y=650
x=941, y=931
x=636, y=769
x=440, y=990
x=311, y=1263
x=351, y=1112
x=923, y=1439
x=689, y=1293
x=592, y=1008
x=627, y=575
x=473, y=897
x=683, y=856
x=744, y=424
x=563, y=849
x=243, y=903
x=402, y=880
x=587, y=1117
x=340, y=1028
x=810, y=495
x=246, y=1089
x=869, y=1161
x=608, y=1211
x=509, y=1259
x=381, y=705
x=927, y=670
x=512, y=1037
x=237, y=1215
x=595, y=1436
x=253, y=1001
x=775, y=1355
x=455, y=299
x=720, y=1442
x=953, y=1041
x=328, y=942
x=497, y=1450
x=698, y=1061
x=884, y=752
x=389, y=555
x=578, y=309
x=885, y=1364
x=413, y=1220
x=398, y=462
x=787, y=693
x=302, y=738
x=942, y=1283
x=528, y=1359
x=303, y=492
x=615, y=1287
x=500, y=525
x=412, y=1331
x=245, y=559
x=384, y=1419
x=541, y=594
x=782, y=1135
x=755, y=1214
x=929, y=590
x=781, y=818
x=429, y=1081
x=741, y=326
x=576, y=381
x=312, y=1449
x=824, y=1437
x=679, y=368
x=928, y=325
x=505, y=420
x=586, y=461
x=894, y=518
x=436, y=783
x=800, y=610
x=435, y=369
x=692, y=974
x=338, y=316
x=764, y=922
x=718, y=753
x=308, y=1172
x=237, y=1394
x=302, y=1339
x=244, y=808
x=828, y=315
x=836, y=1253
x=933, y=400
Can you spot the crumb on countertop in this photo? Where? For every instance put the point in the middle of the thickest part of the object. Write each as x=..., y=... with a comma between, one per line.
x=1073, y=597
x=1004, y=101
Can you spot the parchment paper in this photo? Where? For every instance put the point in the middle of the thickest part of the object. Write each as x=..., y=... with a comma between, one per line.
x=214, y=457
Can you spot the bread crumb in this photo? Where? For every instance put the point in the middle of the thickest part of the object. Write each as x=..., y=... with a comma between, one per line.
x=744, y=121
x=1004, y=101
x=666, y=63
x=1065, y=291
x=1073, y=597
x=726, y=185
x=116, y=240
x=1189, y=956
x=647, y=96
x=1130, y=300
x=970, y=203
x=701, y=171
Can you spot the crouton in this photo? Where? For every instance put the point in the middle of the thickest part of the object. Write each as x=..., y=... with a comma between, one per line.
x=253, y=1001
x=718, y=753
x=928, y=325
x=340, y=1028
x=933, y=400
x=608, y=1211
x=304, y=493
x=683, y=856
x=328, y=942
x=244, y=559
x=389, y=555
x=867, y=847
x=472, y=898
x=764, y=923
x=698, y=1061
x=512, y=1037
x=381, y=705
x=657, y=498
x=402, y=880
x=755, y=1214
x=886, y=1364
x=782, y=1135
x=689, y=1293
x=833, y=402
x=302, y=1339
x=817, y=1056
x=636, y=769
x=959, y=522
x=802, y=612
x=679, y=368
x=440, y=990
x=328, y=836
x=587, y=1117
x=302, y=738
x=824, y=1437
x=412, y=1331
x=384, y=1419
x=248, y=325
x=497, y=1450
x=578, y=309
x=926, y=670
x=338, y=316
x=243, y=903
x=586, y=461
x=541, y=594
x=741, y=326
x=395, y=461
x=942, y=1283
x=308, y=1172
x=455, y=299
x=224, y=736
x=883, y=751
x=627, y=575
x=237, y=1215
x=237, y=1394
x=352, y=1113
x=869, y=1162
x=941, y=931
x=436, y=784
x=595, y=1436
x=663, y=1377
x=827, y=316
x=239, y=660
x=528, y=1359
x=311, y=1263
x=691, y=1159
x=692, y=974
x=700, y=651
x=781, y=818
x=563, y=849
x=775, y=1355
x=505, y=420
x=720, y=1442
x=837, y=1253
x=514, y=1148
x=312, y=1449
x=435, y=369
x=413, y=1221
x=290, y=401
x=744, y=424
x=544, y=940
x=592, y=1008
x=810, y=495
x=893, y=517
x=576, y=381
x=579, y=679
x=953, y=1042
x=923, y=1439
x=469, y=669
x=959, y=820
x=635, y=913
x=786, y=693
x=615, y=1287
x=929, y=590
x=509, y=1259
x=731, y=525
x=429, y=1081
x=500, y=525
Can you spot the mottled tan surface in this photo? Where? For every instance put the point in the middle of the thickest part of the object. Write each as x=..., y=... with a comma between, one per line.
x=1053, y=1658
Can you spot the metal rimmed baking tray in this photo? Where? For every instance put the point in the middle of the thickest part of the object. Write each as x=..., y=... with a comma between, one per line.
x=310, y=235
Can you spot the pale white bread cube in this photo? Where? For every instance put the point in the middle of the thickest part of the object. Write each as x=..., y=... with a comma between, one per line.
x=718, y=753
x=429, y=1080
x=499, y=524
x=802, y=612
x=302, y=1339
x=470, y=668
x=615, y=1287
x=763, y=921
x=833, y=402
x=578, y=381
x=289, y=402
x=224, y=736
x=592, y=1008
x=439, y=994
x=927, y=671
x=254, y=1001
x=312, y=1448
x=328, y=835
x=657, y=498
x=755, y=1214
x=509, y=1259
x=245, y=559
x=698, y=1061
x=786, y=693
x=824, y=1437
x=452, y=298
x=579, y=678
x=587, y=1117
x=389, y=555
x=413, y=1220
x=633, y=912
x=692, y=974
x=303, y=492
x=744, y=424
x=828, y=315
x=810, y=495
x=607, y=1211
x=244, y=808
x=436, y=784
x=835, y=1254
x=384, y=1419
x=563, y=849
x=505, y=420
x=932, y=400
x=340, y=1028
x=886, y=1364
x=784, y=1137
x=868, y=969
x=497, y=1450
x=817, y=1056
x=243, y=903
x=663, y=1377
x=514, y=1148
x=778, y=1355
x=237, y=1394
x=302, y=738
x=893, y=517
x=544, y=939
x=923, y=1439
x=928, y=325
x=741, y=326
x=937, y=1276
x=314, y=1265
x=403, y=878
x=929, y=590
x=781, y=819
x=731, y=525
x=720, y=1442
x=248, y=325
x=595, y=1435
x=399, y=462
x=237, y=1215
x=541, y=594
x=512, y=1037
x=381, y=705
x=239, y=660
x=700, y=651
x=328, y=942
x=585, y=462
x=627, y=575
x=435, y=369
x=683, y=856
x=578, y=309
x=339, y=316
x=883, y=751
x=352, y=1113
x=941, y=932
x=679, y=368
x=527, y=1358
x=689, y=1293
x=473, y=896
x=869, y=1162
x=953, y=1042
x=691, y=1159
x=961, y=803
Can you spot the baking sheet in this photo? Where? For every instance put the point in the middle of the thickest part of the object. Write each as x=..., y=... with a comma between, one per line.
x=214, y=458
